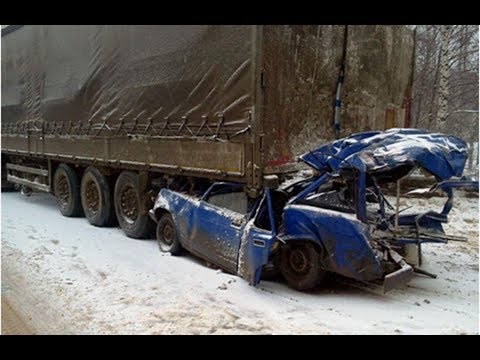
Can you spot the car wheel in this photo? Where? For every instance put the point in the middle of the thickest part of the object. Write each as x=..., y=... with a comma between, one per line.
x=167, y=235
x=300, y=265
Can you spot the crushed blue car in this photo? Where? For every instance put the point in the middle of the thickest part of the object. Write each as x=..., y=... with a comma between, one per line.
x=336, y=221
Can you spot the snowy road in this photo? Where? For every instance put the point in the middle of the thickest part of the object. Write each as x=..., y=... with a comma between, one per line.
x=62, y=275
x=12, y=323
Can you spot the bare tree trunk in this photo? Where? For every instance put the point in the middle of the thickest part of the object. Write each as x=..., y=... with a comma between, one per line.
x=444, y=71
x=431, y=121
x=446, y=84
x=434, y=57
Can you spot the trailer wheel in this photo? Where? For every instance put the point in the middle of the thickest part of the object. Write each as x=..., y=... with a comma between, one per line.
x=300, y=265
x=134, y=222
x=66, y=187
x=97, y=198
x=167, y=235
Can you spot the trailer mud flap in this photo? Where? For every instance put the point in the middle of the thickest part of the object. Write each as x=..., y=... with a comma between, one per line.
x=398, y=278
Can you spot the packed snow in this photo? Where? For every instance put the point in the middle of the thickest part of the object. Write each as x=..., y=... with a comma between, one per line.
x=63, y=275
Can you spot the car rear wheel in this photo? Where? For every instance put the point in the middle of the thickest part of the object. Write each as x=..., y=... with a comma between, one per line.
x=300, y=265
x=167, y=235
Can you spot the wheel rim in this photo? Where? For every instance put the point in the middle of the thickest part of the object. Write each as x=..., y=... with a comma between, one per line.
x=129, y=204
x=298, y=261
x=63, y=191
x=92, y=197
x=168, y=234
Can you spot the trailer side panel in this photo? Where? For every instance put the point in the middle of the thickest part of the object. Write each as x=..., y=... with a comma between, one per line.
x=301, y=67
x=164, y=97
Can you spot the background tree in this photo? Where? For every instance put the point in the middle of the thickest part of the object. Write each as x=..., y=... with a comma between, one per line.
x=445, y=87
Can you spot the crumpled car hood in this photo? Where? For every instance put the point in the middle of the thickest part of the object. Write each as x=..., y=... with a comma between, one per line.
x=444, y=156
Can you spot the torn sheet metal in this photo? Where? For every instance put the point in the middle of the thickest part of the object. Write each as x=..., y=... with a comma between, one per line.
x=444, y=156
x=344, y=239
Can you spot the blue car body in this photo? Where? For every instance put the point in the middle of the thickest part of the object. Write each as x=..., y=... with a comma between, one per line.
x=217, y=234
x=355, y=242
x=442, y=155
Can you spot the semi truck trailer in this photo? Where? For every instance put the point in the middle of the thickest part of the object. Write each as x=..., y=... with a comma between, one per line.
x=103, y=117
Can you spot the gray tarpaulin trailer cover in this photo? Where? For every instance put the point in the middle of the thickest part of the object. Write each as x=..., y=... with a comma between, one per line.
x=223, y=102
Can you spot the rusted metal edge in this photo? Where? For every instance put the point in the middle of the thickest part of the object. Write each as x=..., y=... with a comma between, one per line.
x=132, y=164
x=212, y=138
x=27, y=169
x=31, y=184
x=286, y=168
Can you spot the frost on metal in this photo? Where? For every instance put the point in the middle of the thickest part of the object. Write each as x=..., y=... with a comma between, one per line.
x=443, y=156
x=242, y=268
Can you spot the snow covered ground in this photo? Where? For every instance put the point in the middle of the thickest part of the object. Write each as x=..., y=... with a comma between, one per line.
x=62, y=275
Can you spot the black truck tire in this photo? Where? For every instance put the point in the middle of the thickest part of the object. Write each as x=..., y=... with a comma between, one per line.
x=66, y=187
x=167, y=237
x=134, y=222
x=300, y=265
x=97, y=198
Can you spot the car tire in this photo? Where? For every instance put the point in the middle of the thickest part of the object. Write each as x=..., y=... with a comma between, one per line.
x=300, y=265
x=66, y=188
x=133, y=222
x=167, y=237
x=97, y=198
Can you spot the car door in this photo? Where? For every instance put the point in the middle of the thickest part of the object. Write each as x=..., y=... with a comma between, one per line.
x=219, y=221
x=258, y=240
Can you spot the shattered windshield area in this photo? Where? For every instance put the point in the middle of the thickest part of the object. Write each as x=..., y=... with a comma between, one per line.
x=335, y=194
